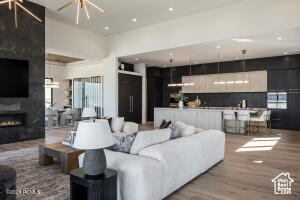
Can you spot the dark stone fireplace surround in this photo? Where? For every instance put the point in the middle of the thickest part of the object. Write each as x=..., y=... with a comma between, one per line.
x=27, y=42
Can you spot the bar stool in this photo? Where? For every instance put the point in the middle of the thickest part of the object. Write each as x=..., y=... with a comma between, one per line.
x=229, y=115
x=264, y=117
x=243, y=116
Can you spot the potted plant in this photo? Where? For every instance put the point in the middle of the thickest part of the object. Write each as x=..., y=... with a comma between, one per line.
x=180, y=98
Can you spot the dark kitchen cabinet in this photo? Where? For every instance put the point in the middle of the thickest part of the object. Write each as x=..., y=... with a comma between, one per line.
x=279, y=119
x=294, y=110
x=154, y=96
x=277, y=80
x=130, y=97
x=293, y=80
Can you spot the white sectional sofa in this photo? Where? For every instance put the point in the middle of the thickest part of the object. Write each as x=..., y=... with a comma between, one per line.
x=158, y=170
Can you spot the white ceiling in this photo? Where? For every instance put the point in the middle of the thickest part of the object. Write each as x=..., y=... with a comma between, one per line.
x=263, y=45
x=119, y=13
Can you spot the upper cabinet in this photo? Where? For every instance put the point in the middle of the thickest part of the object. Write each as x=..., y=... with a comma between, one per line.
x=211, y=82
x=293, y=80
x=256, y=81
x=277, y=80
x=241, y=82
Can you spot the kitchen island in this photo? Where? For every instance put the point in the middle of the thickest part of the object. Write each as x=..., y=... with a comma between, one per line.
x=206, y=118
x=202, y=118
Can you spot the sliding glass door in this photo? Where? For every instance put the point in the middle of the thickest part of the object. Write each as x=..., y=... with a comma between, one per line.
x=87, y=92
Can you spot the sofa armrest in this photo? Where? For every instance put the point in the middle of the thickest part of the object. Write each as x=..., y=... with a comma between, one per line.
x=130, y=128
x=139, y=178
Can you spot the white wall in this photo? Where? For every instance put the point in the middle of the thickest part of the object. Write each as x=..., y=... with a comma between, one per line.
x=57, y=72
x=108, y=69
x=248, y=17
x=141, y=68
x=71, y=41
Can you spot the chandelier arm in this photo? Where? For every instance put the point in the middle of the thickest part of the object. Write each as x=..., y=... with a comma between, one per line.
x=100, y=9
x=68, y=4
x=30, y=13
x=86, y=11
x=5, y=1
x=16, y=14
x=77, y=17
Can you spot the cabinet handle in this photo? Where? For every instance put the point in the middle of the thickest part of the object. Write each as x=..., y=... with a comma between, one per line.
x=129, y=103
x=132, y=103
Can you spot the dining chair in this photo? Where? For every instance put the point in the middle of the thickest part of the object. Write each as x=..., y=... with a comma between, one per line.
x=264, y=118
x=229, y=116
x=66, y=117
x=52, y=118
x=244, y=116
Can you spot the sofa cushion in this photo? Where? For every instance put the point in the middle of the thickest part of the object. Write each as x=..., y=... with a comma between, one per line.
x=148, y=138
x=130, y=128
x=123, y=142
x=185, y=158
x=184, y=129
x=117, y=124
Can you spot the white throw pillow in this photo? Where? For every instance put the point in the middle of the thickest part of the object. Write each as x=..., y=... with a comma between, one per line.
x=148, y=138
x=130, y=128
x=184, y=129
x=117, y=124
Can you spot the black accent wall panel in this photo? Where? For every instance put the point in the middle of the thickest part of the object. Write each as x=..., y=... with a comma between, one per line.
x=27, y=42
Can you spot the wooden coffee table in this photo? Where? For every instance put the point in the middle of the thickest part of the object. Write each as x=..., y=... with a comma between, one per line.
x=67, y=155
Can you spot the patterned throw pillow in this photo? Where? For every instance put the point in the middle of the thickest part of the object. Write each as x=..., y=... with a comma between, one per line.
x=175, y=132
x=123, y=143
x=164, y=124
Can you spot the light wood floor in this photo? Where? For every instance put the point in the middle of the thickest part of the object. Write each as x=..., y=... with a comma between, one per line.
x=237, y=177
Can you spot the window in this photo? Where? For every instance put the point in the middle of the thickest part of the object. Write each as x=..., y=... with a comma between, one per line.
x=48, y=95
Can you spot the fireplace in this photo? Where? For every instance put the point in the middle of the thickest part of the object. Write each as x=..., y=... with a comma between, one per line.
x=12, y=120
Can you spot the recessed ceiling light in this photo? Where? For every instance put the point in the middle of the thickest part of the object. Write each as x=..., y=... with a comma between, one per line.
x=279, y=38
x=134, y=19
x=237, y=58
x=106, y=28
x=171, y=9
x=136, y=59
x=285, y=53
x=218, y=47
x=171, y=54
x=242, y=40
x=165, y=65
x=196, y=62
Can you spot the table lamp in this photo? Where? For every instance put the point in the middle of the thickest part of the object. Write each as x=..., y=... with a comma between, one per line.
x=93, y=137
x=89, y=113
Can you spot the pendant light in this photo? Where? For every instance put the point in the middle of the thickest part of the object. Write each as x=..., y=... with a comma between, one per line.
x=180, y=84
x=244, y=51
x=81, y=4
x=48, y=82
x=218, y=69
x=190, y=83
x=171, y=70
x=18, y=3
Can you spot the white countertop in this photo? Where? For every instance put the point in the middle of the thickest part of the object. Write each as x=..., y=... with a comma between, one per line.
x=209, y=109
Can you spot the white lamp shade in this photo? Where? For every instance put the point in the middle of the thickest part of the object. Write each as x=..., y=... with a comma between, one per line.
x=93, y=135
x=89, y=112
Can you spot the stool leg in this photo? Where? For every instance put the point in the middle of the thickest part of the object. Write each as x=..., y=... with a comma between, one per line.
x=266, y=125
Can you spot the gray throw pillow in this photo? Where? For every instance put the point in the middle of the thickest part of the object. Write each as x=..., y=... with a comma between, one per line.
x=175, y=132
x=123, y=143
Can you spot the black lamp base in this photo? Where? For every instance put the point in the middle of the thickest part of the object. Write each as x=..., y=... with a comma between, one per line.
x=94, y=162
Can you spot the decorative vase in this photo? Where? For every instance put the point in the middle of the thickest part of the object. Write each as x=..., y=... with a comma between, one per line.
x=180, y=104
